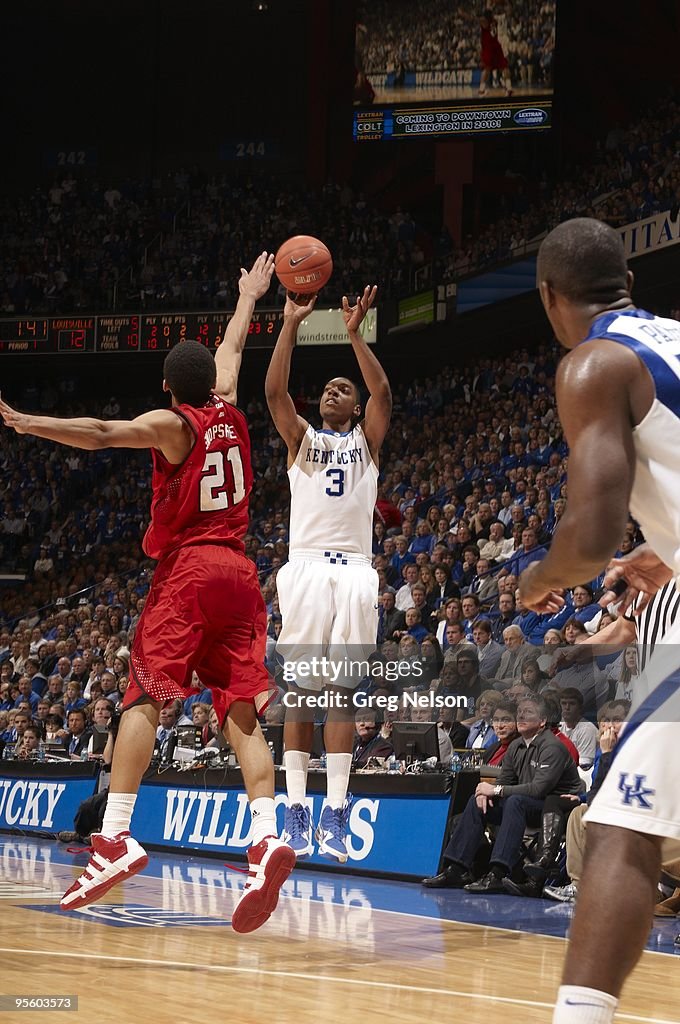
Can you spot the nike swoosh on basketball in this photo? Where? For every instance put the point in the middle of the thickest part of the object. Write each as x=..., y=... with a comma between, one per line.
x=301, y=259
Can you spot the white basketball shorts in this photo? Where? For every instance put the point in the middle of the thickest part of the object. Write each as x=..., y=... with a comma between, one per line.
x=642, y=789
x=329, y=610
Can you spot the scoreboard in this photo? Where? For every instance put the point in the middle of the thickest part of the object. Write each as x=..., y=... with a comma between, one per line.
x=135, y=332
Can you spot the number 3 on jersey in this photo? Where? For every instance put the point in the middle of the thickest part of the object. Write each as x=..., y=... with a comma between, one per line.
x=215, y=493
x=337, y=483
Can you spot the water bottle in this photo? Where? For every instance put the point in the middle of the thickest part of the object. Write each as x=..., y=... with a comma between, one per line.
x=272, y=752
x=41, y=750
x=456, y=764
x=324, y=761
x=393, y=764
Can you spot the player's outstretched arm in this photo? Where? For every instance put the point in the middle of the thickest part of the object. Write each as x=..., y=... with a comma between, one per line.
x=290, y=426
x=160, y=429
x=379, y=405
x=593, y=394
x=252, y=286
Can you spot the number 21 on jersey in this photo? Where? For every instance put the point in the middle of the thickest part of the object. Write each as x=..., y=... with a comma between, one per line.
x=216, y=492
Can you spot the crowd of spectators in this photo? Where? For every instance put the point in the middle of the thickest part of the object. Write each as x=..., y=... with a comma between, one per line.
x=635, y=173
x=178, y=242
x=472, y=486
x=398, y=38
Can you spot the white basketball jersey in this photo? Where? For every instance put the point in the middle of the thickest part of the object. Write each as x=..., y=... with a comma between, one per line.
x=333, y=489
x=655, y=498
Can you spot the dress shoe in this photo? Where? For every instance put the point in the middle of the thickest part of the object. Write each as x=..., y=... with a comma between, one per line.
x=531, y=888
x=452, y=877
x=668, y=907
x=490, y=883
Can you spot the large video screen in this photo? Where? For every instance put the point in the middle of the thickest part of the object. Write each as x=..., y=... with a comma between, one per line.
x=450, y=68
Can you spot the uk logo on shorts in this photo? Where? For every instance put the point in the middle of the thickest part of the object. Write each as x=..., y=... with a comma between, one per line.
x=636, y=791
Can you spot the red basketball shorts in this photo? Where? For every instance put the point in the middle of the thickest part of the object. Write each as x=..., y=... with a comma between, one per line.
x=204, y=614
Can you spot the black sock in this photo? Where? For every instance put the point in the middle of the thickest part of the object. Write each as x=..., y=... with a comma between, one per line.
x=499, y=870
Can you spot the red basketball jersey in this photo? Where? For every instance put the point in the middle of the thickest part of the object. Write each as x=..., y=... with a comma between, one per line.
x=205, y=499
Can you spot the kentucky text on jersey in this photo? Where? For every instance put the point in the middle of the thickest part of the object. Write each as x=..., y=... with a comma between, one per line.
x=338, y=457
x=333, y=487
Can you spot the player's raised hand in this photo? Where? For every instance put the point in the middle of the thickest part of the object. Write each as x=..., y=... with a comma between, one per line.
x=298, y=307
x=354, y=315
x=255, y=282
x=16, y=420
x=535, y=596
x=643, y=571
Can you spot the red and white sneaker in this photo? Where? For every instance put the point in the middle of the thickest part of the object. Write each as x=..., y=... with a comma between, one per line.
x=112, y=860
x=270, y=863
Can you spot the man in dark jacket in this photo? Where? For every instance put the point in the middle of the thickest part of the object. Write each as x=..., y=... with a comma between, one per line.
x=389, y=617
x=368, y=742
x=536, y=765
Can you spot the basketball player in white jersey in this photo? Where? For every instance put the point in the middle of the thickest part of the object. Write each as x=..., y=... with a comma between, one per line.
x=618, y=394
x=328, y=590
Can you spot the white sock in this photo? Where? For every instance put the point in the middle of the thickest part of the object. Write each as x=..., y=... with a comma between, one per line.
x=264, y=819
x=296, y=763
x=119, y=808
x=337, y=778
x=576, y=1005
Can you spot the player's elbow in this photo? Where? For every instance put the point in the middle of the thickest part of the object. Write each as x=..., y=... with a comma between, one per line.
x=382, y=395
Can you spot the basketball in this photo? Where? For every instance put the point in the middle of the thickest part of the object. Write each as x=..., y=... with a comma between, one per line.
x=303, y=265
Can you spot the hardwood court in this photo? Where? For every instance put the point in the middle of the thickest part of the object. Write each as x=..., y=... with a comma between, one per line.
x=439, y=93
x=160, y=948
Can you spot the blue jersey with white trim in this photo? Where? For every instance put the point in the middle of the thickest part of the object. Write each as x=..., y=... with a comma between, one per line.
x=333, y=488
x=655, y=498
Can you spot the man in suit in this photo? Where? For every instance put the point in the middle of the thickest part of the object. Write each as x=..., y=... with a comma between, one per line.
x=390, y=618
x=515, y=654
x=79, y=734
x=488, y=651
x=167, y=722
x=485, y=584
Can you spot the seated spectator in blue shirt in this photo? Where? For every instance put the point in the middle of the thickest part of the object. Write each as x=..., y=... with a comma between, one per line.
x=203, y=696
x=26, y=694
x=402, y=556
x=74, y=698
x=414, y=625
x=584, y=607
x=528, y=553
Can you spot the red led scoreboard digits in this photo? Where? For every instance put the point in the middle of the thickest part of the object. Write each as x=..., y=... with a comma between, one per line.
x=157, y=332
x=48, y=334
x=161, y=331
x=118, y=333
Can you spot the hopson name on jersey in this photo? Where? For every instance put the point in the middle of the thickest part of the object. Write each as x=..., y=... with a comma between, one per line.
x=223, y=430
x=341, y=458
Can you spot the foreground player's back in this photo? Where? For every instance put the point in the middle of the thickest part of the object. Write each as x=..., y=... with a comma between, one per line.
x=656, y=483
x=204, y=500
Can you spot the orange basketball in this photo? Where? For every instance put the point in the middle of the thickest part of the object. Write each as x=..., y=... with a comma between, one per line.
x=303, y=265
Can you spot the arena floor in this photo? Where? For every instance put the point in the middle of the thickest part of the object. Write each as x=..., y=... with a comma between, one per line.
x=339, y=947
x=453, y=92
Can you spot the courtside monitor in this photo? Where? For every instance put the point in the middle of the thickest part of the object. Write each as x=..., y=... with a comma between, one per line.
x=464, y=69
x=415, y=741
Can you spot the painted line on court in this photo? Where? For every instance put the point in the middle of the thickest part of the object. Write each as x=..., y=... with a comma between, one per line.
x=518, y=932
x=300, y=976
